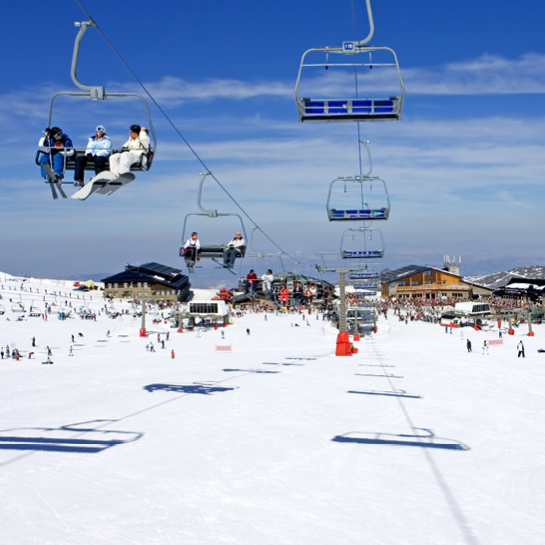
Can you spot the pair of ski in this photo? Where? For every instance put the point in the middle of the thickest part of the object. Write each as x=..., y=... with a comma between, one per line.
x=55, y=182
x=105, y=183
x=224, y=266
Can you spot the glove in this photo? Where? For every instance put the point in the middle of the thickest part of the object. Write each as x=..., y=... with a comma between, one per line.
x=182, y=251
x=198, y=259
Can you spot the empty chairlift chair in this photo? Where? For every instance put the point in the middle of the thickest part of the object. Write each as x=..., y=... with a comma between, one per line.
x=352, y=89
x=362, y=243
x=358, y=198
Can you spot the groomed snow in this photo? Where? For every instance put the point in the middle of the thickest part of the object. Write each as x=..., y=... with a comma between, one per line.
x=411, y=441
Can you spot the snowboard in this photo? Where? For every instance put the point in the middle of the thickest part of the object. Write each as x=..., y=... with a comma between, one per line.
x=103, y=184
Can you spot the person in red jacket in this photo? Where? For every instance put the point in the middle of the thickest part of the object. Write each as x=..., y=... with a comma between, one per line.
x=285, y=296
x=251, y=282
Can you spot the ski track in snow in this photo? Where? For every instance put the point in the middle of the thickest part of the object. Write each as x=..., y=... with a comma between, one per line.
x=267, y=444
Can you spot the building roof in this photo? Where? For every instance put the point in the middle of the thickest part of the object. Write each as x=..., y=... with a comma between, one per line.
x=388, y=276
x=152, y=273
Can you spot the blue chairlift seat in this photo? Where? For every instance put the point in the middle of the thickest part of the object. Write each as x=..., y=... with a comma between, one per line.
x=362, y=254
x=350, y=109
x=361, y=214
x=357, y=275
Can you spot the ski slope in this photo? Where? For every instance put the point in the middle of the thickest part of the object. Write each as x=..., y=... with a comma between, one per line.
x=411, y=441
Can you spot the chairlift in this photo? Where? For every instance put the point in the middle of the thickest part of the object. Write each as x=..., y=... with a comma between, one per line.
x=346, y=103
x=363, y=273
x=358, y=198
x=17, y=307
x=99, y=93
x=212, y=251
x=362, y=243
x=34, y=312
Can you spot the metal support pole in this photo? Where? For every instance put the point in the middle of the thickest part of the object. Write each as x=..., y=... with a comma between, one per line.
x=143, y=325
x=342, y=298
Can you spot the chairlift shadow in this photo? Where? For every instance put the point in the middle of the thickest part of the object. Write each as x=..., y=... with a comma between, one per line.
x=52, y=439
x=188, y=388
x=427, y=440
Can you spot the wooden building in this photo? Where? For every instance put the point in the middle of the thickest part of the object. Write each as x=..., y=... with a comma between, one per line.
x=415, y=281
x=150, y=281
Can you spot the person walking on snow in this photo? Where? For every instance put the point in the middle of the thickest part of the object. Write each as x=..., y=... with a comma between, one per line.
x=520, y=348
x=485, y=347
x=468, y=344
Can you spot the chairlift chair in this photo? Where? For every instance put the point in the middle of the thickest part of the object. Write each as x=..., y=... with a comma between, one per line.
x=358, y=198
x=363, y=273
x=17, y=307
x=362, y=243
x=99, y=93
x=212, y=251
x=347, y=105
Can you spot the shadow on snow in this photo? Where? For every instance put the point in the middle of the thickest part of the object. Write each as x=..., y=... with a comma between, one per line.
x=425, y=440
x=83, y=437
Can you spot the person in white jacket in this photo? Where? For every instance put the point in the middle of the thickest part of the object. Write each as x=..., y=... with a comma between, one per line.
x=234, y=249
x=133, y=149
x=267, y=278
x=98, y=150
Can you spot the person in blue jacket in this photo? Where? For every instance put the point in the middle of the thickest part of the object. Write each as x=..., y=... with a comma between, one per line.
x=55, y=146
x=99, y=149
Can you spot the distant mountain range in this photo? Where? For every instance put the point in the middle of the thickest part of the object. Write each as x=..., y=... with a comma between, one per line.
x=500, y=279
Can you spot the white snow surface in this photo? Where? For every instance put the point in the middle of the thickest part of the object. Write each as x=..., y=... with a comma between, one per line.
x=411, y=441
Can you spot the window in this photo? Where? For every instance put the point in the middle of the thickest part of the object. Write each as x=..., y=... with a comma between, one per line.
x=402, y=283
x=203, y=308
x=116, y=285
x=428, y=273
x=415, y=282
x=145, y=284
x=139, y=284
x=428, y=282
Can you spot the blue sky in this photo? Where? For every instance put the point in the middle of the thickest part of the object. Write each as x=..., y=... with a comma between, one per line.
x=464, y=167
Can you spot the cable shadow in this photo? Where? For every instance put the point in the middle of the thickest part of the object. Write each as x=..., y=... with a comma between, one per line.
x=374, y=365
x=383, y=376
x=187, y=388
x=304, y=359
x=52, y=440
x=267, y=372
x=286, y=364
x=426, y=440
x=392, y=393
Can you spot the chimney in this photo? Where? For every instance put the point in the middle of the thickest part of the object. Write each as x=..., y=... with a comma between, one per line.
x=452, y=264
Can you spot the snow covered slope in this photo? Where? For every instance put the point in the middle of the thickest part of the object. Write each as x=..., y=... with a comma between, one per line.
x=412, y=441
x=500, y=279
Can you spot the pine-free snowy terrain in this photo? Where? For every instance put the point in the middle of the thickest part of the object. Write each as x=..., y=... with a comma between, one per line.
x=411, y=441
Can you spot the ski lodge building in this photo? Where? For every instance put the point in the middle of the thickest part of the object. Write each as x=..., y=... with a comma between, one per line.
x=425, y=282
x=150, y=281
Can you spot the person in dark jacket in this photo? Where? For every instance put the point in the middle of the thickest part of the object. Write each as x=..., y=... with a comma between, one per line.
x=55, y=146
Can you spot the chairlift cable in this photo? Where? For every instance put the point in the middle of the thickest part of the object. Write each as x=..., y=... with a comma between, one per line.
x=357, y=96
x=171, y=123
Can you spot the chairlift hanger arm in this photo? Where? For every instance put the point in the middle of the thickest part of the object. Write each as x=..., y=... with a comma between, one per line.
x=95, y=93
x=107, y=95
